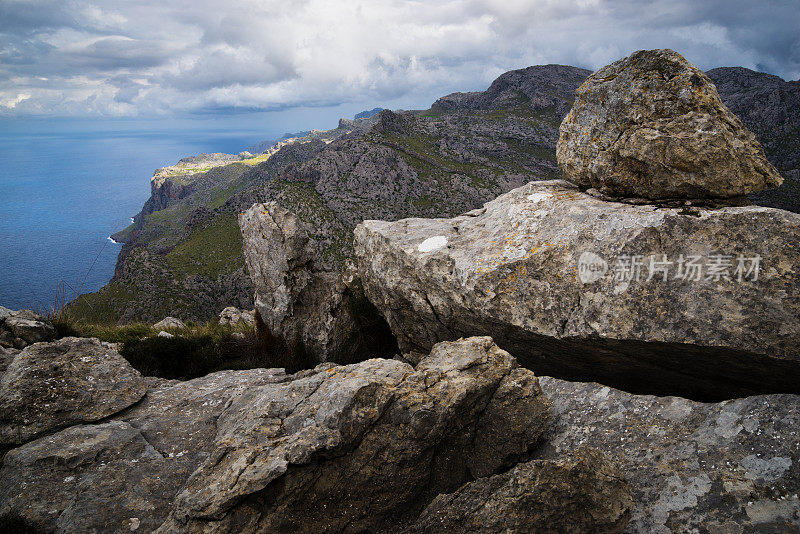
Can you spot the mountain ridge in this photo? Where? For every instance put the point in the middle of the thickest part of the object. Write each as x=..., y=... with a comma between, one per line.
x=461, y=152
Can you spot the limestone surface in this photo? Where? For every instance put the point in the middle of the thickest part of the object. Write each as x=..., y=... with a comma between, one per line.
x=730, y=467
x=653, y=126
x=18, y=329
x=318, y=313
x=703, y=303
x=579, y=493
x=354, y=448
x=49, y=386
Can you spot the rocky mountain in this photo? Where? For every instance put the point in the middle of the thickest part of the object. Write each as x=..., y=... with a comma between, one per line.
x=367, y=113
x=541, y=86
x=463, y=151
x=770, y=108
x=185, y=259
x=453, y=428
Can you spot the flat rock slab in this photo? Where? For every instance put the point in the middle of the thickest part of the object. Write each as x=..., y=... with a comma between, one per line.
x=694, y=302
x=49, y=386
x=653, y=126
x=731, y=467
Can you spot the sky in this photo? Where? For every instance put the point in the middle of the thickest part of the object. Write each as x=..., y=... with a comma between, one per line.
x=212, y=60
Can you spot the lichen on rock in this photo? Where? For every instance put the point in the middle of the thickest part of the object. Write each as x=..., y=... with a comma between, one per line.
x=653, y=126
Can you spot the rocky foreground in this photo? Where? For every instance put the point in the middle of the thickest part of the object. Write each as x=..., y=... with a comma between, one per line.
x=645, y=270
x=336, y=448
x=465, y=441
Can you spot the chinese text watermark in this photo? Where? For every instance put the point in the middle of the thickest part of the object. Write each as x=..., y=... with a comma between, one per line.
x=661, y=267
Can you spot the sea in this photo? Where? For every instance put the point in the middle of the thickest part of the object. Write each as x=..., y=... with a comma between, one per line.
x=63, y=193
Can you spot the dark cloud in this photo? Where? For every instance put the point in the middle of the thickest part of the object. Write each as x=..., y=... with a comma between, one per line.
x=116, y=57
x=20, y=17
x=115, y=53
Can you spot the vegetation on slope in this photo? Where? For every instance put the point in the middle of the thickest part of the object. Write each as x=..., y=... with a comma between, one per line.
x=450, y=162
x=183, y=256
x=193, y=351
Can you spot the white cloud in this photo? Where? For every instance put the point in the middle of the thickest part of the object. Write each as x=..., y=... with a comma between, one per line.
x=115, y=57
x=11, y=103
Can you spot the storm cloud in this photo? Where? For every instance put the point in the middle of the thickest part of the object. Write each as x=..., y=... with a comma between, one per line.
x=156, y=57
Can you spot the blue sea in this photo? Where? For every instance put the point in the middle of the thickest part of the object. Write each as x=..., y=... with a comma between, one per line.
x=63, y=193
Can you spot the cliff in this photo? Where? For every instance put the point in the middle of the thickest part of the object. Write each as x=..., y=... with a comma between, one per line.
x=463, y=151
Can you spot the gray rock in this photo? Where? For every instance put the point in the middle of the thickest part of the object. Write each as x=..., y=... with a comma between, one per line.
x=165, y=334
x=732, y=467
x=6, y=357
x=168, y=323
x=6, y=338
x=653, y=126
x=25, y=327
x=115, y=475
x=233, y=316
x=334, y=449
x=581, y=492
x=66, y=482
x=4, y=312
x=49, y=386
x=353, y=448
x=550, y=273
x=319, y=314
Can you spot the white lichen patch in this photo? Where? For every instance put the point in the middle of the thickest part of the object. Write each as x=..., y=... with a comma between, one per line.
x=617, y=222
x=432, y=243
x=538, y=197
x=728, y=424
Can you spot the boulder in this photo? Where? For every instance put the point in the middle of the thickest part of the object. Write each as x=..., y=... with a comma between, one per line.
x=580, y=492
x=122, y=475
x=232, y=316
x=21, y=328
x=353, y=448
x=7, y=338
x=373, y=440
x=653, y=126
x=319, y=314
x=169, y=323
x=702, y=303
x=7, y=355
x=165, y=334
x=731, y=467
x=49, y=386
